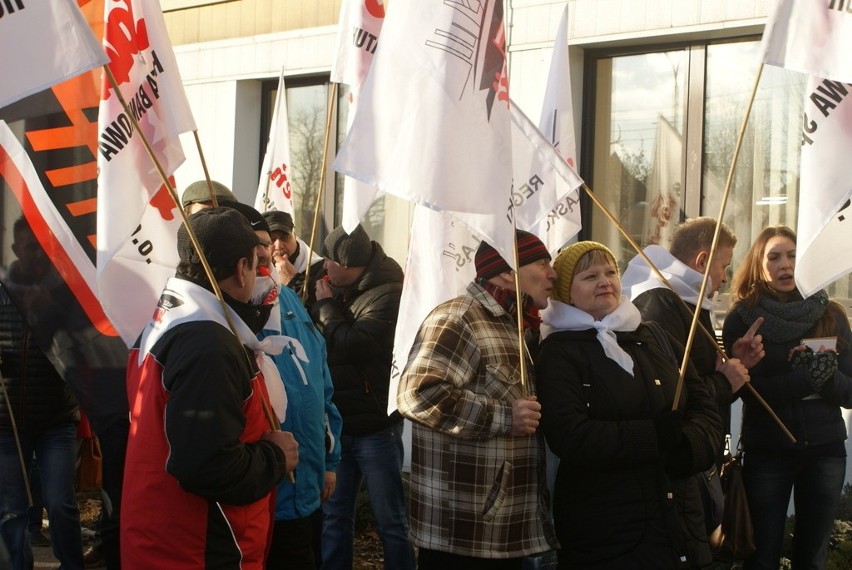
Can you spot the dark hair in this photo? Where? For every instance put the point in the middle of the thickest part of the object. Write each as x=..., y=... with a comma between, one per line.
x=195, y=271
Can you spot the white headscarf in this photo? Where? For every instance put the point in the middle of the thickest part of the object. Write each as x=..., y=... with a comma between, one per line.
x=559, y=316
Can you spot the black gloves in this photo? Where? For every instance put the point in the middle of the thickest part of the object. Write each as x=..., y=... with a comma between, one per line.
x=821, y=366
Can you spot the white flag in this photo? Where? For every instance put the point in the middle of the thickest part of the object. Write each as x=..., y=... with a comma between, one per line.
x=665, y=185
x=43, y=43
x=824, y=234
x=557, y=125
x=274, y=191
x=433, y=121
x=432, y=275
x=137, y=220
x=811, y=37
x=357, y=39
x=544, y=193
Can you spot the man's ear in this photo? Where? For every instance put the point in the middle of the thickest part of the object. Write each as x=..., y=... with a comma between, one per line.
x=700, y=263
x=506, y=280
x=242, y=269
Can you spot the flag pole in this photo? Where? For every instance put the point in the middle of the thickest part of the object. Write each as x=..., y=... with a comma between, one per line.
x=274, y=426
x=705, y=278
x=332, y=103
x=519, y=313
x=206, y=172
x=597, y=202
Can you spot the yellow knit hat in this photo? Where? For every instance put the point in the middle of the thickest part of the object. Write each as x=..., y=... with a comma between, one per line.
x=566, y=263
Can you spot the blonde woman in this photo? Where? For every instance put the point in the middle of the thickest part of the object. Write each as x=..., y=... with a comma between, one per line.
x=624, y=495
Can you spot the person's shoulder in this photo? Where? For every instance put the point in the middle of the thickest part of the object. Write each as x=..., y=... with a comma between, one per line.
x=198, y=339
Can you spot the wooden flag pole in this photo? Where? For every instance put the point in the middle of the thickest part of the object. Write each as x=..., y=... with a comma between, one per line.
x=204, y=167
x=519, y=311
x=332, y=103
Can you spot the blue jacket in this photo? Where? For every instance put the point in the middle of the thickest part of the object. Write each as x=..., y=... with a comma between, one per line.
x=311, y=416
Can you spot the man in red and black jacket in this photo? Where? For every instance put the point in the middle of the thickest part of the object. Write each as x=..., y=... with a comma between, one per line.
x=201, y=460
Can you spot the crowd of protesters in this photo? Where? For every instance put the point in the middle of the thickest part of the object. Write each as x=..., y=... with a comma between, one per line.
x=258, y=407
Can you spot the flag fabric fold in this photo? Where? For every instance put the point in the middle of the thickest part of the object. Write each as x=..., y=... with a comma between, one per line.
x=810, y=37
x=274, y=191
x=557, y=126
x=824, y=232
x=43, y=43
x=432, y=119
x=137, y=219
x=813, y=38
x=357, y=40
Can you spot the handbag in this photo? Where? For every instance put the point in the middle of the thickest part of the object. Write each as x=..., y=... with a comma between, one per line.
x=89, y=458
x=737, y=540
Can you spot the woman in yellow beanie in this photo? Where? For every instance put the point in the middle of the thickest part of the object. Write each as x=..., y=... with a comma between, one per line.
x=624, y=496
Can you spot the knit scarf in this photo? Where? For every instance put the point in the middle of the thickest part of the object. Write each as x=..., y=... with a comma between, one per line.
x=559, y=316
x=507, y=300
x=785, y=320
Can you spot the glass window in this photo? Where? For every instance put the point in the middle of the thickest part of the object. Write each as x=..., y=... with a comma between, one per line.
x=638, y=147
x=663, y=137
x=389, y=218
x=764, y=187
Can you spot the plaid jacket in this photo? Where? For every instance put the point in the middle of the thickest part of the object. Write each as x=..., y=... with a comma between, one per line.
x=475, y=489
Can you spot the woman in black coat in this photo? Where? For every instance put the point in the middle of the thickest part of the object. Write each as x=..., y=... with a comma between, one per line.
x=625, y=496
x=806, y=389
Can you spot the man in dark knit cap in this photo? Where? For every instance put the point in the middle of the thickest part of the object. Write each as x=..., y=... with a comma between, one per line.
x=202, y=461
x=356, y=311
x=478, y=490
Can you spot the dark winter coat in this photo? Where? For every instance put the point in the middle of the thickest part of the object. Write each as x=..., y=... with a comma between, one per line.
x=665, y=307
x=358, y=324
x=620, y=501
x=813, y=421
x=39, y=397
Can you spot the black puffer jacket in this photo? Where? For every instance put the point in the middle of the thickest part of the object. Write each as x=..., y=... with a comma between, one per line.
x=39, y=396
x=358, y=324
x=613, y=495
x=813, y=421
x=665, y=307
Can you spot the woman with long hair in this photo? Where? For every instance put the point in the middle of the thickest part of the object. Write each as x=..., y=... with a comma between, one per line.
x=625, y=495
x=806, y=385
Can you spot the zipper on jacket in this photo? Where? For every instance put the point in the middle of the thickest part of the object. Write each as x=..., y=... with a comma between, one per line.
x=297, y=363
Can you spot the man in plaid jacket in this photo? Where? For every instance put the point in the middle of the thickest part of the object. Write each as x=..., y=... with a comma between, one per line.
x=478, y=492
